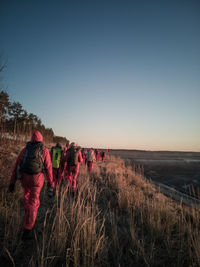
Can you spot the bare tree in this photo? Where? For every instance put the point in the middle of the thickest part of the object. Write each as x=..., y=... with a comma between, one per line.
x=15, y=112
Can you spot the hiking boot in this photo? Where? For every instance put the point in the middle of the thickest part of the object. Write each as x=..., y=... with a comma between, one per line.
x=27, y=234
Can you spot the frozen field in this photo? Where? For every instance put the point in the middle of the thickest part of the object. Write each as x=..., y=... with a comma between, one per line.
x=180, y=170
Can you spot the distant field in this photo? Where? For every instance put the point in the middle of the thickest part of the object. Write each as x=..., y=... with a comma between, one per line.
x=178, y=169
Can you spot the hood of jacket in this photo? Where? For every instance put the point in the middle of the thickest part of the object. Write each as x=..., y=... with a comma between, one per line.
x=37, y=137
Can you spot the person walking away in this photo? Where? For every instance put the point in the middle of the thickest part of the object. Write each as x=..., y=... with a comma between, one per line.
x=90, y=159
x=103, y=155
x=56, y=153
x=60, y=179
x=96, y=154
x=71, y=162
x=84, y=155
x=33, y=161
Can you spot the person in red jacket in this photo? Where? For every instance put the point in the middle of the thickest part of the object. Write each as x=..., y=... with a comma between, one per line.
x=84, y=154
x=71, y=162
x=33, y=161
x=60, y=178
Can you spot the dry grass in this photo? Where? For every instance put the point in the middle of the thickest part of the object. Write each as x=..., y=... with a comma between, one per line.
x=115, y=219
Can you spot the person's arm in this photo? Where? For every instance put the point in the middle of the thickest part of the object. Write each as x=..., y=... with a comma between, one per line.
x=48, y=166
x=80, y=158
x=13, y=178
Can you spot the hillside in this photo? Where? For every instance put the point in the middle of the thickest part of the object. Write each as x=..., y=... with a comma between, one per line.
x=116, y=218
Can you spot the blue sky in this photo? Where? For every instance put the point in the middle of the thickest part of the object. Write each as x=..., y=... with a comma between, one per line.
x=118, y=74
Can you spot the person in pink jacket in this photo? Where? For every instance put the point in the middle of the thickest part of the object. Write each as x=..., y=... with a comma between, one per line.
x=33, y=161
x=71, y=162
x=60, y=178
x=84, y=155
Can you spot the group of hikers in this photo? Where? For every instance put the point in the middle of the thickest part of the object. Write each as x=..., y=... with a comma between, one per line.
x=67, y=162
x=35, y=160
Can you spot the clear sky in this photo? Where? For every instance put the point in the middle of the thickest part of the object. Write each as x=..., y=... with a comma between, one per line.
x=107, y=73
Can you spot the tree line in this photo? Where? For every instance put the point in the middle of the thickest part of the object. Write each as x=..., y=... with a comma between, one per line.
x=16, y=121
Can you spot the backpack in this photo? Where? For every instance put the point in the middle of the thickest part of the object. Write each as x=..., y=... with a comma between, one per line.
x=90, y=155
x=73, y=157
x=32, y=160
x=56, y=156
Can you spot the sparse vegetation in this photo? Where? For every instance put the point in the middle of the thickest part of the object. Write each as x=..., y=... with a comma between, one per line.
x=116, y=218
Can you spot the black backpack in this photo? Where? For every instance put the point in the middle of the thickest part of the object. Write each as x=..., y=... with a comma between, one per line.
x=73, y=158
x=32, y=161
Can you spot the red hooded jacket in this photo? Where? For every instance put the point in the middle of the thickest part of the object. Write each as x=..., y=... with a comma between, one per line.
x=37, y=136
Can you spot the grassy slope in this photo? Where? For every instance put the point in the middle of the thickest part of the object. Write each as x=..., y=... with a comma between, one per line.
x=116, y=219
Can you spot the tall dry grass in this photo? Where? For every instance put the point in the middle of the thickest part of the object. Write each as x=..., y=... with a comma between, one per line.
x=116, y=218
